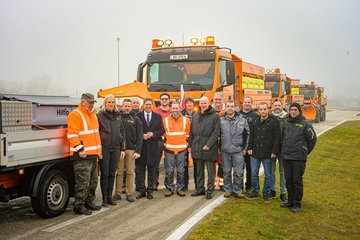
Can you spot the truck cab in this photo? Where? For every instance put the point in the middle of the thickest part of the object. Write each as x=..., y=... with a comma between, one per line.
x=201, y=69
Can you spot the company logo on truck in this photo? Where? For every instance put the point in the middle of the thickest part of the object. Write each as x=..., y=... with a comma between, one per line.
x=62, y=112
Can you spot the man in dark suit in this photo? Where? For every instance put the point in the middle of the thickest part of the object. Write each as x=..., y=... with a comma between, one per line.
x=153, y=129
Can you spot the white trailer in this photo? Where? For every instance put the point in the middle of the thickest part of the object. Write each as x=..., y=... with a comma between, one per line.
x=34, y=151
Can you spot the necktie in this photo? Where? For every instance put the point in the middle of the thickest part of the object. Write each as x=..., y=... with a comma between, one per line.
x=148, y=119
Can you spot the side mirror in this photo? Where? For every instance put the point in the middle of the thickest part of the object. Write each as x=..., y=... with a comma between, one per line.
x=287, y=88
x=230, y=73
x=140, y=71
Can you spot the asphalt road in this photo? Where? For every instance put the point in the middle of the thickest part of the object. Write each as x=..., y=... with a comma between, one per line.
x=143, y=219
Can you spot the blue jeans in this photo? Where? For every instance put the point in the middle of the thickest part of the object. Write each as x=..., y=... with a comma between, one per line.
x=255, y=166
x=282, y=175
x=235, y=162
x=171, y=161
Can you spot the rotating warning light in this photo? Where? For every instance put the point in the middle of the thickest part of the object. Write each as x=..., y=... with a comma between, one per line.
x=168, y=42
x=194, y=41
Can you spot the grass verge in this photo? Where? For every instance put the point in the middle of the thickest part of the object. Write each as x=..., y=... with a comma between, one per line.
x=331, y=203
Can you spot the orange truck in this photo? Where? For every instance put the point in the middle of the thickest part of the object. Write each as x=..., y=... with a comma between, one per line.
x=315, y=102
x=200, y=68
x=283, y=87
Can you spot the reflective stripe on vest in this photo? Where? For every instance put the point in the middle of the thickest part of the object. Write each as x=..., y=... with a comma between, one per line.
x=175, y=133
x=86, y=148
x=176, y=146
x=85, y=132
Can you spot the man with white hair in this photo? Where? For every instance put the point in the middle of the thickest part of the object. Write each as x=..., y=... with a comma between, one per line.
x=203, y=145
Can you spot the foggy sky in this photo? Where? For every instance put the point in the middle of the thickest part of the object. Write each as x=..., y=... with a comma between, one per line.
x=74, y=43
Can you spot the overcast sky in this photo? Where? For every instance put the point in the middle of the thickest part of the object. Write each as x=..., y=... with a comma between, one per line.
x=74, y=43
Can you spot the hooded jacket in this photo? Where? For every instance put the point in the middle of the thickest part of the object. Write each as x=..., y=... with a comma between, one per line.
x=299, y=138
x=205, y=130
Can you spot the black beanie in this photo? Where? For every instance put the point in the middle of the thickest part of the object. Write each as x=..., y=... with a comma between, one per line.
x=297, y=105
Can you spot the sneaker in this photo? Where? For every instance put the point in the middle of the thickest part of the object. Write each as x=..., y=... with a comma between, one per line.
x=130, y=198
x=168, y=193
x=272, y=194
x=208, y=196
x=92, y=206
x=227, y=194
x=252, y=196
x=240, y=195
x=266, y=200
x=82, y=210
x=283, y=197
x=181, y=193
x=296, y=209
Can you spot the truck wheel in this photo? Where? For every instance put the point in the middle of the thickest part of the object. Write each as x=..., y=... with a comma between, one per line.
x=53, y=195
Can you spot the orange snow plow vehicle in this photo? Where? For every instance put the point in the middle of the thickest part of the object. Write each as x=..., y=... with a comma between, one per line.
x=315, y=102
x=200, y=69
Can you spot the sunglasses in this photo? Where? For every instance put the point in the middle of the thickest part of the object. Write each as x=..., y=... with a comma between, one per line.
x=163, y=99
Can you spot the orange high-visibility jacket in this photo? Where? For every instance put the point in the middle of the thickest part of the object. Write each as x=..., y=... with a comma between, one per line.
x=176, y=133
x=83, y=132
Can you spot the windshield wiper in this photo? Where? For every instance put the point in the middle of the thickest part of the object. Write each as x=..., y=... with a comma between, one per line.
x=195, y=84
x=162, y=84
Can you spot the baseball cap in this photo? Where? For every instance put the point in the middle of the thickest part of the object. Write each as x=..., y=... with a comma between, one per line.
x=88, y=97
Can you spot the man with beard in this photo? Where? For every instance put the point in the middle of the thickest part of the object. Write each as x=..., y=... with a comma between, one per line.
x=281, y=115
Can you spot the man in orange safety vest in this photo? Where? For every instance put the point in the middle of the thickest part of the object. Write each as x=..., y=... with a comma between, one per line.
x=177, y=130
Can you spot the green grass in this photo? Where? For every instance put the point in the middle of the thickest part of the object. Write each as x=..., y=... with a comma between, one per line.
x=330, y=207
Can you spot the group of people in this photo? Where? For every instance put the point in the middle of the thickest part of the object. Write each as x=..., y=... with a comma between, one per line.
x=128, y=143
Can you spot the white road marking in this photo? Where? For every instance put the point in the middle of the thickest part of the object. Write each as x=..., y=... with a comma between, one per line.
x=187, y=225
x=332, y=127
x=74, y=220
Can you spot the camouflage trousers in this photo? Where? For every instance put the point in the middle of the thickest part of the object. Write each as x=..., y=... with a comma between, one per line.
x=86, y=178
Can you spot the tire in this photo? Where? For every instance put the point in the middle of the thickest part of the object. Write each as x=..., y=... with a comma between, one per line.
x=53, y=195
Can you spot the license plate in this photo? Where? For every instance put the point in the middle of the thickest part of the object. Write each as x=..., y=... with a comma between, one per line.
x=178, y=57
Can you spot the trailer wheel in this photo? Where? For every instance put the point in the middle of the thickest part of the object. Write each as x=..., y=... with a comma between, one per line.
x=53, y=195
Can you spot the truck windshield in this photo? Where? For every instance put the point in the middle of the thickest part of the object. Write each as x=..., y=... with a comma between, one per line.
x=168, y=76
x=307, y=92
x=274, y=87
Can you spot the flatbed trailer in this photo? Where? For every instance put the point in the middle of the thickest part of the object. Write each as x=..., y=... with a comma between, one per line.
x=34, y=151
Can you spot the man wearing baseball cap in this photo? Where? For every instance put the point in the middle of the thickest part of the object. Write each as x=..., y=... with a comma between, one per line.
x=298, y=140
x=85, y=150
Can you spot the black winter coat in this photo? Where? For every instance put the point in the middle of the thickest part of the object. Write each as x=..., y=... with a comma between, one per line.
x=205, y=130
x=111, y=129
x=150, y=154
x=265, y=137
x=299, y=138
x=134, y=132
